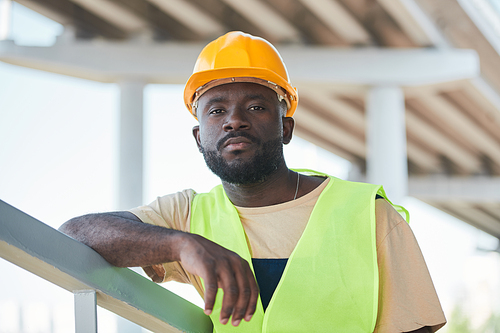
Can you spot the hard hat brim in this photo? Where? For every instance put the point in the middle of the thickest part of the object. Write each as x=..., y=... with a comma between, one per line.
x=199, y=79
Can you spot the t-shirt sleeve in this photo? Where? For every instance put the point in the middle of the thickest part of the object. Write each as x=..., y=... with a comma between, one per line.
x=170, y=211
x=407, y=298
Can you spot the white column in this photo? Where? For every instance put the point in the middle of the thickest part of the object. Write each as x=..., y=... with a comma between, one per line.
x=386, y=158
x=131, y=160
x=131, y=144
x=5, y=19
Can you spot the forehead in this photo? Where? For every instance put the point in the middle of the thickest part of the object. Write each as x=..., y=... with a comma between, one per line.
x=237, y=91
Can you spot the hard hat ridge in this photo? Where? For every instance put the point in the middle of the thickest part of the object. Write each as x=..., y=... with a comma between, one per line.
x=239, y=57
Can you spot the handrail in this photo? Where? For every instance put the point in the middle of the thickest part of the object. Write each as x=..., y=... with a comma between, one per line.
x=50, y=254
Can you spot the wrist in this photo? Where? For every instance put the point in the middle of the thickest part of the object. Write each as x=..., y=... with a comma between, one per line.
x=179, y=239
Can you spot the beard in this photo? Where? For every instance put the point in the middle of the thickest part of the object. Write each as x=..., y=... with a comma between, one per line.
x=264, y=163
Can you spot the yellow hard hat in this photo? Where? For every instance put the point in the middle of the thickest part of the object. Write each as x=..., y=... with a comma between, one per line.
x=239, y=57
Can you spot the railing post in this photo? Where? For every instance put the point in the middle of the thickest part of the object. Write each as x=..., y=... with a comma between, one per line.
x=85, y=311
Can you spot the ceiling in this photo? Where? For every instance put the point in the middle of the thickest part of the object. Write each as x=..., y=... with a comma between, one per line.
x=453, y=128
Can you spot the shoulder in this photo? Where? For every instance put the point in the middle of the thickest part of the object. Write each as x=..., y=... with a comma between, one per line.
x=388, y=220
x=216, y=196
x=174, y=200
x=407, y=299
x=171, y=211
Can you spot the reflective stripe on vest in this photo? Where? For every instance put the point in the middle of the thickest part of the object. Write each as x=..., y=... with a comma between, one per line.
x=330, y=282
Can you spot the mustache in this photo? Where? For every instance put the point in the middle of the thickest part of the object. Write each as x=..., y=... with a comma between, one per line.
x=230, y=135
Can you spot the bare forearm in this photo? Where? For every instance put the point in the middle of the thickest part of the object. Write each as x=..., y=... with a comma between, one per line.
x=123, y=240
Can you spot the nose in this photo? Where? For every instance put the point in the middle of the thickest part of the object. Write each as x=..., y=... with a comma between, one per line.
x=235, y=121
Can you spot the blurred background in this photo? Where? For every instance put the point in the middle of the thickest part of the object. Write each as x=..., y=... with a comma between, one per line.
x=429, y=69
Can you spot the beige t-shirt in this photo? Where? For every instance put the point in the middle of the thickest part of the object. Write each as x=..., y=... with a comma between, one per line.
x=407, y=298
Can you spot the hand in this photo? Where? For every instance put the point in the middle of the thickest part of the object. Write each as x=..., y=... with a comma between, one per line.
x=221, y=268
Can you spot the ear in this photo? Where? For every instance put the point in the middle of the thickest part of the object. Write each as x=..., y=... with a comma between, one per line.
x=288, y=125
x=196, y=134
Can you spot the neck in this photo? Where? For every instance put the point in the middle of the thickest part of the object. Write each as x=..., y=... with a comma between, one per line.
x=279, y=187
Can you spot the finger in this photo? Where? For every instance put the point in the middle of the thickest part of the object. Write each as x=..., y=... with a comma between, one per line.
x=254, y=295
x=243, y=278
x=228, y=283
x=211, y=288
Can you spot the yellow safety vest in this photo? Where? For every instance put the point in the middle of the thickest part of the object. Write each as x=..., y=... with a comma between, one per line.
x=330, y=282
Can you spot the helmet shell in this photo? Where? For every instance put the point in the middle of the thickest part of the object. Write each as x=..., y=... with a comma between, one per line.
x=237, y=54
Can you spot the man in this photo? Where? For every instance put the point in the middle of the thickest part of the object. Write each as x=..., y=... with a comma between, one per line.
x=328, y=255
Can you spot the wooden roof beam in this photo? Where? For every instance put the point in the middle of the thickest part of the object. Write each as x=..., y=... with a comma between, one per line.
x=492, y=208
x=430, y=117
x=434, y=138
x=191, y=16
x=339, y=20
x=414, y=22
x=115, y=14
x=338, y=108
x=462, y=124
x=69, y=13
x=464, y=28
x=423, y=158
x=330, y=131
x=487, y=120
x=473, y=216
x=356, y=119
x=313, y=137
x=45, y=11
x=476, y=10
x=485, y=96
x=313, y=31
x=263, y=16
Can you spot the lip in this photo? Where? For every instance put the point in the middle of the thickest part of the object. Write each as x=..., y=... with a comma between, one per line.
x=237, y=143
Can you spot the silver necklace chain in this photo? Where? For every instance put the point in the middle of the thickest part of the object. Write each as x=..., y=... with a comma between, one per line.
x=297, y=189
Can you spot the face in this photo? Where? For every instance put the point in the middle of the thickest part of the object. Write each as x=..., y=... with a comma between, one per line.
x=241, y=132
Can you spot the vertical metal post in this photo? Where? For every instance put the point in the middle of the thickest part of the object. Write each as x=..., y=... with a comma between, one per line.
x=85, y=311
x=386, y=160
x=5, y=18
x=131, y=144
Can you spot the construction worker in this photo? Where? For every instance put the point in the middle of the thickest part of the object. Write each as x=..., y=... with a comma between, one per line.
x=271, y=249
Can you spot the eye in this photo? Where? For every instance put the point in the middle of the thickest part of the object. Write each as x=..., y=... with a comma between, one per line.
x=256, y=108
x=215, y=111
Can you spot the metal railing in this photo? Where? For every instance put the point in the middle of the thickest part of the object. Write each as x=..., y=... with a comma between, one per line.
x=50, y=254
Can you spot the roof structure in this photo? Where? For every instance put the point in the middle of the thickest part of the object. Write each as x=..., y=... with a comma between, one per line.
x=443, y=55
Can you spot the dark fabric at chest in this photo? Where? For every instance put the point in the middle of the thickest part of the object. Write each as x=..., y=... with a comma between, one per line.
x=268, y=274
